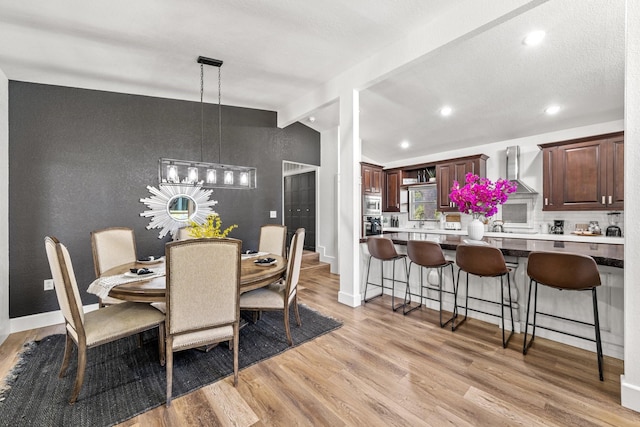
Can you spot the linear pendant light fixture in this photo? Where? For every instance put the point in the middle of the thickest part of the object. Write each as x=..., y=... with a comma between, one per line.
x=204, y=174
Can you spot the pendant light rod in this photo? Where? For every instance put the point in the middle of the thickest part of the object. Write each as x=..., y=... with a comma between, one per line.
x=209, y=61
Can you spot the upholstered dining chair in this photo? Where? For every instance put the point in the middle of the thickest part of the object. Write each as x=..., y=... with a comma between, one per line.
x=280, y=296
x=203, y=287
x=97, y=327
x=273, y=239
x=111, y=247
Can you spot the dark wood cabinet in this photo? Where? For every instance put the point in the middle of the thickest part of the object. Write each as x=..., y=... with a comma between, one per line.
x=456, y=170
x=391, y=198
x=584, y=174
x=371, y=179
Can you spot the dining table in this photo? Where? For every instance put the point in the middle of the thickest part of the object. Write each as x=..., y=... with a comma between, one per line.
x=153, y=289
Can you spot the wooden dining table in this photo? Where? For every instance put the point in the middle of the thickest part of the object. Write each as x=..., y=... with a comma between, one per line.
x=252, y=276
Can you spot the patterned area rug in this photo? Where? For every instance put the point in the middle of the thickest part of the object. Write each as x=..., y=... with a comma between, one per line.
x=122, y=380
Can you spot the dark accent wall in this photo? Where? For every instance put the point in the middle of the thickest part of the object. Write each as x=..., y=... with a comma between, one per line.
x=80, y=160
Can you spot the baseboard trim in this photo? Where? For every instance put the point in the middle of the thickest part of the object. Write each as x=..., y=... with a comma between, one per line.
x=629, y=394
x=41, y=320
x=349, y=299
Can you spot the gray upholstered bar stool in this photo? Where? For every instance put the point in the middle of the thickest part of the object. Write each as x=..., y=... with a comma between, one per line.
x=383, y=249
x=482, y=261
x=563, y=271
x=426, y=254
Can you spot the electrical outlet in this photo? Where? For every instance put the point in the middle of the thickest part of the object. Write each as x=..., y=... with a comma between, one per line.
x=273, y=214
x=48, y=284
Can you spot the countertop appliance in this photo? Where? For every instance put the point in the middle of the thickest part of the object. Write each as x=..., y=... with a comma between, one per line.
x=557, y=227
x=613, y=230
x=372, y=225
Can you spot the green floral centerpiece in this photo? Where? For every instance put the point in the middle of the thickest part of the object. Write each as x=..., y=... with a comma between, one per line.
x=210, y=228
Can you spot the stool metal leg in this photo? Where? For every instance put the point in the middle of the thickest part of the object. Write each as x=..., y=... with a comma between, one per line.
x=504, y=343
x=393, y=285
x=367, y=283
x=597, y=326
x=440, y=281
x=408, y=291
x=526, y=347
x=455, y=306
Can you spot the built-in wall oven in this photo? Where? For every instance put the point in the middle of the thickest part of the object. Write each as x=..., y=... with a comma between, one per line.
x=371, y=205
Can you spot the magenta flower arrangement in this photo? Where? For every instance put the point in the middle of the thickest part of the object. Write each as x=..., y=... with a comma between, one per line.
x=480, y=195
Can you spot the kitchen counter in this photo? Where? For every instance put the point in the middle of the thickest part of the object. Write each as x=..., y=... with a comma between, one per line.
x=520, y=245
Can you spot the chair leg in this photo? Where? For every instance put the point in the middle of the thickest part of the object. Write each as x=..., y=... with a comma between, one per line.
x=367, y=283
x=286, y=324
x=393, y=285
x=68, y=348
x=161, y=344
x=455, y=304
x=440, y=281
x=525, y=347
x=295, y=309
x=82, y=364
x=169, y=368
x=597, y=327
x=506, y=342
x=408, y=292
x=236, y=335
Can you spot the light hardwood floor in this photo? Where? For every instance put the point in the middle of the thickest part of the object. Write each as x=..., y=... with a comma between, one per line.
x=382, y=368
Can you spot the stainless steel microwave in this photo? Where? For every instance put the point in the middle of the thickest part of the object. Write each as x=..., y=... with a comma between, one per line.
x=372, y=205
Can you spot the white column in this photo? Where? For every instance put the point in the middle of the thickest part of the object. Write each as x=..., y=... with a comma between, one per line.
x=630, y=381
x=4, y=209
x=349, y=199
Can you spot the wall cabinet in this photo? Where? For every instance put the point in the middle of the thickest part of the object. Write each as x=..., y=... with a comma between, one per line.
x=584, y=174
x=456, y=170
x=391, y=198
x=371, y=179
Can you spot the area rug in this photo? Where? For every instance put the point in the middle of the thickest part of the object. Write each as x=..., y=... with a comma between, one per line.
x=123, y=380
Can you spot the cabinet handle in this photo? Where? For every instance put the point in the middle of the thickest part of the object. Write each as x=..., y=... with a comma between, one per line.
x=610, y=199
x=546, y=201
x=603, y=202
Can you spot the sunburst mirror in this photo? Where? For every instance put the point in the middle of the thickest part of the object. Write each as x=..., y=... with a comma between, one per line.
x=171, y=207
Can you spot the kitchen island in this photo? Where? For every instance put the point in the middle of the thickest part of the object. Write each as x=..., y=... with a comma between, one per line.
x=608, y=252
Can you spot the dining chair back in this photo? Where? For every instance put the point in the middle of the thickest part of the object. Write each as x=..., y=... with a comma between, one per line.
x=203, y=288
x=280, y=296
x=111, y=247
x=273, y=239
x=97, y=327
x=183, y=234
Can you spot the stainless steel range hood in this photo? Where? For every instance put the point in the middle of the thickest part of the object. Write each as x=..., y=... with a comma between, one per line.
x=513, y=171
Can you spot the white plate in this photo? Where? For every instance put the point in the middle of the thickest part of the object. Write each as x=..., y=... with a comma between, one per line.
x=153, y=261
x=130, y=274
x=266, y=264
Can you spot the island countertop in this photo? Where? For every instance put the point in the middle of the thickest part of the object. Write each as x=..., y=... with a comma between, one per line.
x=607, y=254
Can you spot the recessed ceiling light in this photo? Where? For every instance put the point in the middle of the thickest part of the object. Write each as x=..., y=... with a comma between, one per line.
x=312, y=119
x=446, y=111
x=534, y=38
x=552, y=109
x=404, y=144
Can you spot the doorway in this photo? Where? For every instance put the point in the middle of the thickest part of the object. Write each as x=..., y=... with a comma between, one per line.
x=300, y=201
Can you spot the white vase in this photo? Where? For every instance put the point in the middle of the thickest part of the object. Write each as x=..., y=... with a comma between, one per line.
x=475, y=229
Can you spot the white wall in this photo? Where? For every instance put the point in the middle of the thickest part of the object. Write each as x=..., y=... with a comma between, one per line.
x=327, y=236
x=4, y=207
x=630, y=381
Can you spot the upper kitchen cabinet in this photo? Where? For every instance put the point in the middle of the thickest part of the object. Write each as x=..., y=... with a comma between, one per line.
x=584, y=174
x=455, y=170
x=371, y=178
x=391, y=199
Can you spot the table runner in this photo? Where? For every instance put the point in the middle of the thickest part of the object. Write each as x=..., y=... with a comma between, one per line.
x=102, y=285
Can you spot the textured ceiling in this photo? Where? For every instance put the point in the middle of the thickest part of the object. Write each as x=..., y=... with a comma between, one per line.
x=280, y=50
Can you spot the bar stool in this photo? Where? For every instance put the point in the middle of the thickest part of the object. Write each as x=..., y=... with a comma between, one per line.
x=383, y=249
x=482, y=261
x=563, y=271
x=427, y=254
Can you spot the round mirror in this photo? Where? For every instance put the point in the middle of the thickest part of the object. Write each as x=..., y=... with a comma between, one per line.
x=181, y=207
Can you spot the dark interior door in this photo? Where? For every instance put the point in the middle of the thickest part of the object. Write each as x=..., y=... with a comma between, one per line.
x=300, y=206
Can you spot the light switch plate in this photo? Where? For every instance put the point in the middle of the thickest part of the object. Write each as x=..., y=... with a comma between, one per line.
x=48, y=284
x=273, y=214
